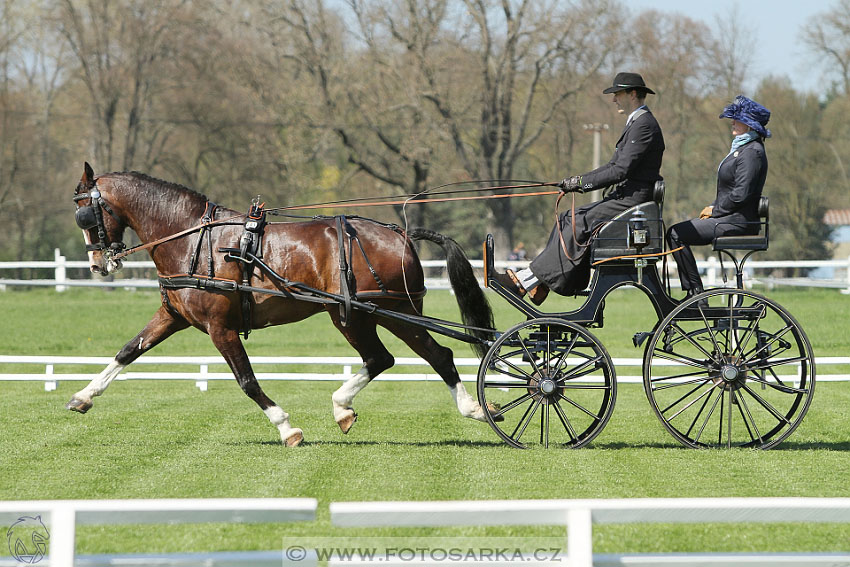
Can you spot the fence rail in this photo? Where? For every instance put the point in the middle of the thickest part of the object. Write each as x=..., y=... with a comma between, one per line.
x=580, y=515
x=712, y=268
x=45, y=368
x=64, y=515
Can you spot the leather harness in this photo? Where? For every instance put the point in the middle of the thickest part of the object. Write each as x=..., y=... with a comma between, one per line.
x=250, y=255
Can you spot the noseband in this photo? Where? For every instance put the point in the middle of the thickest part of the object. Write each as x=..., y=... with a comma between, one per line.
x=91, y=216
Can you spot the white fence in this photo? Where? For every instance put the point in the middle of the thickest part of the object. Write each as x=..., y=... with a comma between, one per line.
x=713, y=274
x=62, y=516
x=580, y=515
x=45, y=368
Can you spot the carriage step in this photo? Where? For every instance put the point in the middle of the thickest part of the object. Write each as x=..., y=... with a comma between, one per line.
x=640, y=337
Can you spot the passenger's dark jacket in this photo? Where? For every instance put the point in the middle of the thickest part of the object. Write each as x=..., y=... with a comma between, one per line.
x=740, y=180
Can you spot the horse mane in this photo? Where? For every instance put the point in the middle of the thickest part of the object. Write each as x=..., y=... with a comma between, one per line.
x=169, y=185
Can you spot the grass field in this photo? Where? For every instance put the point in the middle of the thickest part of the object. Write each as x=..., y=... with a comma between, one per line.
x=167, y=439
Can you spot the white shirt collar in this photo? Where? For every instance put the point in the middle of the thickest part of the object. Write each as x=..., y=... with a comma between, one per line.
x=631, y=116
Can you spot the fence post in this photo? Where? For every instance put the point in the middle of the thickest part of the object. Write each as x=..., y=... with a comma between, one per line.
x=62, y=535
x=60, y=275
x=846, y=291
x=201, y=383
x=579, y=537
x=711, y=271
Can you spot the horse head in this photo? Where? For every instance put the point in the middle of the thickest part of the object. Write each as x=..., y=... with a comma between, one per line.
x=102, y=227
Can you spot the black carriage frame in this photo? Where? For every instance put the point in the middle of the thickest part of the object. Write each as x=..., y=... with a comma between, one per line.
x=734, y=343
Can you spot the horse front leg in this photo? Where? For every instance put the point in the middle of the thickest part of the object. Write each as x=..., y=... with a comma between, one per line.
x=230, y=346
x=161, y=326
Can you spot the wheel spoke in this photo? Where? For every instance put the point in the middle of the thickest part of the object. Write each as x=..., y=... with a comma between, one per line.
x=676, y=376
x=689, y=404
x=577, y=406
x=565, y=421
x=710, y=412
x=766, y=405
x=511, y=405
x=677, y=384
x=780, y=387
x=776, y=336
x=582, y=369
x=684, y=360
x=563, y=357
x=750, y=330
x=690, y=339
x=696, y=417
x=505, y=385
x=771, y=363
x=748, y=419
x=526, y=419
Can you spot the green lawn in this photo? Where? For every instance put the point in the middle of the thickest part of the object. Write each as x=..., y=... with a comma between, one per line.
x=167, y=439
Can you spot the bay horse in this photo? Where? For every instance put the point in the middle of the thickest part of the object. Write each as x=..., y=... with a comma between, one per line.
x=166, y=218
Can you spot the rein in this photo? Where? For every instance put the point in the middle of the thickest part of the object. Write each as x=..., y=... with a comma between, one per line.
x=121, y=252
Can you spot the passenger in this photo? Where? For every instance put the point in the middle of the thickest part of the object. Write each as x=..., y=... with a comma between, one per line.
x=740, y=180
x=564, y=264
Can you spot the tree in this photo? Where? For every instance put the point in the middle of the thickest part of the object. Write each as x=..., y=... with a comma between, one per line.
x=800, y=172
x=828, y=37
x=119, y=46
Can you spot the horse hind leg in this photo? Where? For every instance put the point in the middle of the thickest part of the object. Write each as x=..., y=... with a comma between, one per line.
x=361, y=333
x=230, y=346
x=441, y=359
x=161, y=326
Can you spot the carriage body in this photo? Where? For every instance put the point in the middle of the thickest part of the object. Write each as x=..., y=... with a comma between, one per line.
x=724, y=368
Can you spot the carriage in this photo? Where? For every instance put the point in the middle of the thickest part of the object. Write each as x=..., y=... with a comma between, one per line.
x=724, y=368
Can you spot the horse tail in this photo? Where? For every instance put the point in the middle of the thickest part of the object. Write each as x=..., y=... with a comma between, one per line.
x=475, y=310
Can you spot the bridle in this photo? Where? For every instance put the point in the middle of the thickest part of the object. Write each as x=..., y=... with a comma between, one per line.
x=91, y=216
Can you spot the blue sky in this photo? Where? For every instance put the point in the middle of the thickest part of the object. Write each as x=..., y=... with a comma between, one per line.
x=775, y=26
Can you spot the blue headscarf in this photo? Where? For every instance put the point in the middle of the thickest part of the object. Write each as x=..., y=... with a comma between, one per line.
x=749, y=112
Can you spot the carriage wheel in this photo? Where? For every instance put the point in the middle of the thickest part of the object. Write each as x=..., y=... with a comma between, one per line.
x=729, y=368
x=547, y=372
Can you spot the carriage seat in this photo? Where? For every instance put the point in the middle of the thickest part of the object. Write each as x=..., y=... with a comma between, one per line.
x=612, y=240
x=752, y=242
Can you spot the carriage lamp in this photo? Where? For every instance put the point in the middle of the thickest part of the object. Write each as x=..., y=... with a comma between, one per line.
x=638, y=232
x=638, y=238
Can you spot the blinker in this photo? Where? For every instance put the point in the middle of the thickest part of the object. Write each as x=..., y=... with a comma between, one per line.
x=85, y=217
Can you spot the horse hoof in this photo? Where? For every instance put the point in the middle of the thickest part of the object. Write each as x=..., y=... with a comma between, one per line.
x=347, y=421
x=494, y=408
x=78, y=405
x=294, y=438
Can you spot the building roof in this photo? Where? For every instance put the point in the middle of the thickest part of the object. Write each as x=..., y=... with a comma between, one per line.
x=837, y=217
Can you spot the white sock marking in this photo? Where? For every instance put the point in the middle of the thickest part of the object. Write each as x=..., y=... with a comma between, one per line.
x=467, y=406
x=344, y=396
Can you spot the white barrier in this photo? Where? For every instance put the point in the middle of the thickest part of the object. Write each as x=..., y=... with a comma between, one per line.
x=580, y=515
x=64, y=515
x=713, y=275
x=346, y=365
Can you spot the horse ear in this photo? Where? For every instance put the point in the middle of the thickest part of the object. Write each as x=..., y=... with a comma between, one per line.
x=88, y=176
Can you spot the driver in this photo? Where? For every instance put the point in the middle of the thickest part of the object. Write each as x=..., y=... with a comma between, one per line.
x=564, y=264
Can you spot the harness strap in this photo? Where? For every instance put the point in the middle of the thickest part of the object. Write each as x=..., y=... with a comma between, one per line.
x=206, y=219
x=345, y=274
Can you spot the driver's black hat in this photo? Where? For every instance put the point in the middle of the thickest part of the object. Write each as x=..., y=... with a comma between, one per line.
x=628, y=81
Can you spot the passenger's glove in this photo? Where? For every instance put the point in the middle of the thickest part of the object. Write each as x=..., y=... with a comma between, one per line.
x=571, y=184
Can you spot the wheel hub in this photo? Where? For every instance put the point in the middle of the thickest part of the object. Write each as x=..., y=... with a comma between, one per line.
x=731, y=376
x=544, y=388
